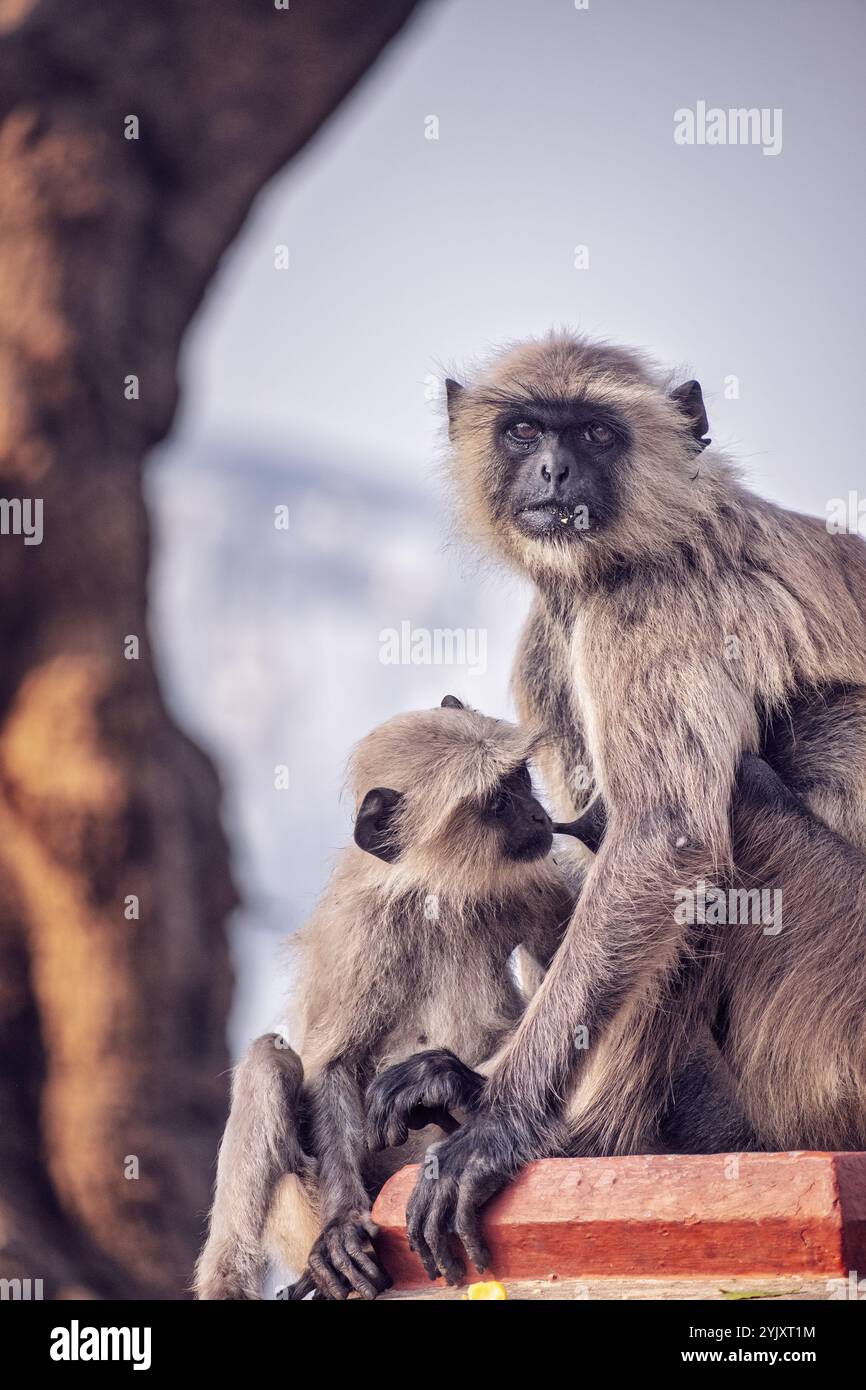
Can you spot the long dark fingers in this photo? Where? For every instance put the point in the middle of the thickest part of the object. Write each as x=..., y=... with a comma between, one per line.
x=357, y=1265
x=467, y=1224
x=328, y=1281
x=386, y=1128
x=343, y=1263
x=365, y=1260
x=397, y=1131
x=299, y=1290
x=437, y=1229
x=428, y=1223
x=416, y=1216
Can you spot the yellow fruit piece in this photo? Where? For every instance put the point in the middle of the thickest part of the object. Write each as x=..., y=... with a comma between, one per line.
x=493, y=1290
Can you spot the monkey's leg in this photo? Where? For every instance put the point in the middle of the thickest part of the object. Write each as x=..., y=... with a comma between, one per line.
x=672, y=1098
x=261, y=1142
x=423, y=1089
x=792, y=969
x=689, y=1102
x=819, y=750
x=658, y=1083
x=704, y=1114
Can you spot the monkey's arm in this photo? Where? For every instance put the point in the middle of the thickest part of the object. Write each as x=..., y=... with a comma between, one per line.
x=668, y=784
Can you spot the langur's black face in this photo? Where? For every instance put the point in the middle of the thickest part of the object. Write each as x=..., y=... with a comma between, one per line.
x=523, y=828
x=560, y=465
x=556, y=465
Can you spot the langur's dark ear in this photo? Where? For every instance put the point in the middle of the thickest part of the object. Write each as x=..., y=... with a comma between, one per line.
x=374, y=823
x=690, y=400
x=453, y=392
x=451, y=702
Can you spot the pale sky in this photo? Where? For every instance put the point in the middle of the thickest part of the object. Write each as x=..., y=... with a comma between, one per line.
x=556, y=129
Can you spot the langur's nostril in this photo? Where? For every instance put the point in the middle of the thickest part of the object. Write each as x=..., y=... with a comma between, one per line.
x=545, y=472
x=563, y=474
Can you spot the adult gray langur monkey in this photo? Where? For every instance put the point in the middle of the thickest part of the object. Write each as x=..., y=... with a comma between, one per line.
x=685, y=633
x=449, y=872
x=409, y=949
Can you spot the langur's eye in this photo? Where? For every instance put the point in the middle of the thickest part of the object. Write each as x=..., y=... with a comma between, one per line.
x=524, y=432
x=598, y=433
x=497, y=803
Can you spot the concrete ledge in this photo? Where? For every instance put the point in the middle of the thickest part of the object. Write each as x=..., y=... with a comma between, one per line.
x=555, y=1290
x=799, y=1219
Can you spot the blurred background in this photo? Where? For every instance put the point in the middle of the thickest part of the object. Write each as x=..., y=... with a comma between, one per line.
x=239, y=246
x=316, y=386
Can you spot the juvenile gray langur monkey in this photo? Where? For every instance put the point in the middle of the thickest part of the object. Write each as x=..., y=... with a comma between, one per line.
x=685, y=635
x=409, y=948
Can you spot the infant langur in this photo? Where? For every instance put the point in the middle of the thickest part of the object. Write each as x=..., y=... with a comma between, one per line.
x=408, y=949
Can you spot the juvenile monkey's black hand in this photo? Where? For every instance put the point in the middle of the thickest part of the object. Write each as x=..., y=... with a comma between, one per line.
x=457, y=1177
x=418, y=1092
x=343, y=1261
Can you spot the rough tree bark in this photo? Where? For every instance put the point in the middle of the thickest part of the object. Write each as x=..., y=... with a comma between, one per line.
x=112, y=1029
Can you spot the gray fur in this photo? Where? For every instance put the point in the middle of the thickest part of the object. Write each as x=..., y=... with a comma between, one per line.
x=398, y=956
x=625, y=665
x=260, y=1143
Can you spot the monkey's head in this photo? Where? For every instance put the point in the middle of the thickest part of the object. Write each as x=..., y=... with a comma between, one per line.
x=446, y=795
x=569, y=453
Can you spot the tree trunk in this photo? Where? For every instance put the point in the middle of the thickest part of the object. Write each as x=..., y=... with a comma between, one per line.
x=114, y=877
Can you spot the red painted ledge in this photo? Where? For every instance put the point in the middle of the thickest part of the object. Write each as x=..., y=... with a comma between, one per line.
x=661, y=1217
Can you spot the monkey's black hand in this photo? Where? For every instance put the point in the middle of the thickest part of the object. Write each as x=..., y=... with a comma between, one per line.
x=420, y=1091
x=590, y=828
x=343, y=1261
x=457, y=1177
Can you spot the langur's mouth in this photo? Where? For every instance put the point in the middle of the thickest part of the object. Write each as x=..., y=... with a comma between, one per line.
x=537, y=847
x=548, y=518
